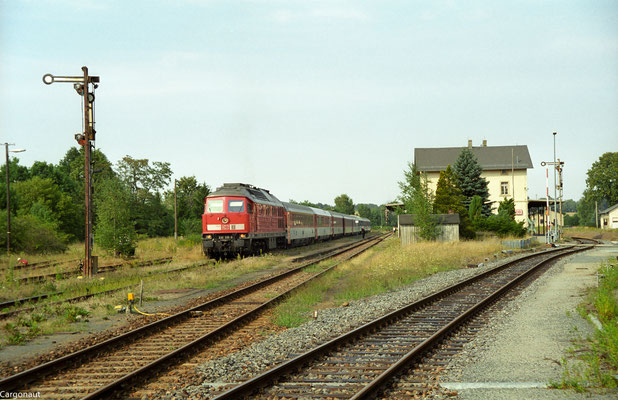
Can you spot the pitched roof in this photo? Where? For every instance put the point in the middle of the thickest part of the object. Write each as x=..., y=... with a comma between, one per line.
x=608, y=209
x=489, y=157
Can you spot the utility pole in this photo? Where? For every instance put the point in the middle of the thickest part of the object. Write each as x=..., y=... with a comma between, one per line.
x=82, y=84
x=8, y=196
x=8, y=205
x=175, y=212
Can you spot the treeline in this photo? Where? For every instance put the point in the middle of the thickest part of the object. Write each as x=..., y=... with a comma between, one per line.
x=460, y=190
x=129, y=201
x=601, y=192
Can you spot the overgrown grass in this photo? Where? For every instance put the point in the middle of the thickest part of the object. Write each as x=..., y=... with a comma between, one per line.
x=593, y=362
x=384, y=268
x=49, y=318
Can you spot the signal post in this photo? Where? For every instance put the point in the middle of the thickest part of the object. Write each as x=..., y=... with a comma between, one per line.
x=82, y=85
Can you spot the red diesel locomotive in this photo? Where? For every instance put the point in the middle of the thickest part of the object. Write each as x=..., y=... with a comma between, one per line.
x=243, y=219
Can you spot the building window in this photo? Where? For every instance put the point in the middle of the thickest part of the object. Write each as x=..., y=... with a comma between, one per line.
x=504, y=188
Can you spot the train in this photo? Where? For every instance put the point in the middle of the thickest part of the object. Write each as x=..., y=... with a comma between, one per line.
x=241, y=219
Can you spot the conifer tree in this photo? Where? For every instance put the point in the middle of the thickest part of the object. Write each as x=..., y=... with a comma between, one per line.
x=468, y=172
x=449, y=198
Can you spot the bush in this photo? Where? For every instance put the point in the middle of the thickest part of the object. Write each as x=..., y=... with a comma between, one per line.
x=31, y=235
x=571, y=220
x=501, y=224
x=190, y=240
x=190, y=226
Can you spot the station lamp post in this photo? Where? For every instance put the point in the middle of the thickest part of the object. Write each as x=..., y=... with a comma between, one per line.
x=83, y=85
x=8, y=196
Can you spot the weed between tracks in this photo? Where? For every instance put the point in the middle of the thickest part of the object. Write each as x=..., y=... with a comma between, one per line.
x=51, y=315
x=593, y=362
x=383, y=268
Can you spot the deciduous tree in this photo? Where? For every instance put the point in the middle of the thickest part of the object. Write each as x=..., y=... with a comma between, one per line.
x=449, y=198
x=114, y=229
x=190, y=197
x=418, y=201
x=602, y=180
x=145, y=181
x=364, y=211
x=42, y=198
x=344, y=204
x=139, y=174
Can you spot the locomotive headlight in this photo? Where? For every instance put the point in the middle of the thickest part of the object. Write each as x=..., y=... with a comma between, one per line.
x=208, y=236
x=242, y=235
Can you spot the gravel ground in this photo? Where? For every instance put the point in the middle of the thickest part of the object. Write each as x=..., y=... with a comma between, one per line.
x=329, y=324
x=522, y=347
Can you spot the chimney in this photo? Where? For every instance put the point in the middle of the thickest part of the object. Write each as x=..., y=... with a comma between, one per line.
x=484, y=142
x=469, y=143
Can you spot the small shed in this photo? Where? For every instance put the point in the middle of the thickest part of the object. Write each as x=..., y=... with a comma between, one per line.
x=447, y=224
x=609, y=217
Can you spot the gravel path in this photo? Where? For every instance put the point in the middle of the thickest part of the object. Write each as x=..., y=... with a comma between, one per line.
x=518, y=351
x=521, y=349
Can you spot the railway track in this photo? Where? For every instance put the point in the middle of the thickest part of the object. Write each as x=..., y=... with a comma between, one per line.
x=362, y=363
x=36, y=299
x=83, y=297
x=39, y=265
x=103, y=269
x=102, y=370
x=583, y=240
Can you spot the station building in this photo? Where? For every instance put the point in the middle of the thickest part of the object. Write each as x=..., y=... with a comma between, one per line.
x=609, y=217
x=504, y=167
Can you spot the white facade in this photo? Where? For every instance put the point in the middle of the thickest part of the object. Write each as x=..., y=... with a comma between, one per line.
x=609, y=218
x=502, y=184
x=504, y=167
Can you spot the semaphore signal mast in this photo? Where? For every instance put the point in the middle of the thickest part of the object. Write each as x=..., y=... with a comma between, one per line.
x=82, y=85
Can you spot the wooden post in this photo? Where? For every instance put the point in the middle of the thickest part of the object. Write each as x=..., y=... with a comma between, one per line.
x=141, y=292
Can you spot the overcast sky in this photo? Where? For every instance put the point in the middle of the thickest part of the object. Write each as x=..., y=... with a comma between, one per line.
x=311, y=99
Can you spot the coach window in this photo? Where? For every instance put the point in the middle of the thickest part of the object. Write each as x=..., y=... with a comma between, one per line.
x=214, y=206
x=235, y=206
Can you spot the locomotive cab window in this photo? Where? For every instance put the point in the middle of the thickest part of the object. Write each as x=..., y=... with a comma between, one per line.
x=235, y=206
x=214, y=206
x=249, y=208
